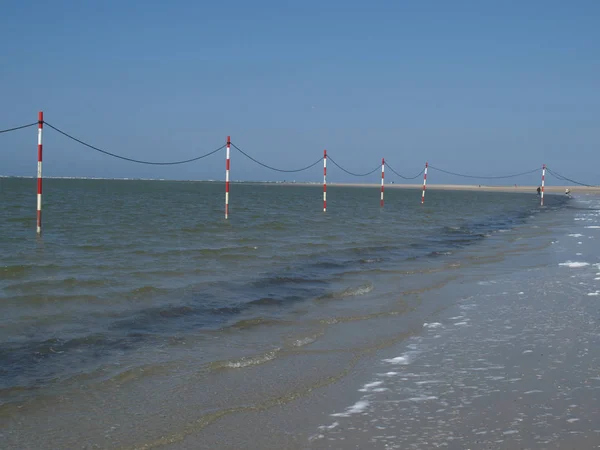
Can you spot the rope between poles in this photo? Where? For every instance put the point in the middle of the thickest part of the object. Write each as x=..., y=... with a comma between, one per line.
x=168, y=163
x=402, y=176
x=18, y=128
x=274, y=168
x=563, y=178
x=484, y=177
x=352, y=173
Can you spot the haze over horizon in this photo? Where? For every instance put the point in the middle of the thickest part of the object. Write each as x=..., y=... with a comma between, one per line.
x=472, y=88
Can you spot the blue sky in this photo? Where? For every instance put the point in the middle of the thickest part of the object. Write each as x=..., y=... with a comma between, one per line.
x=475, y=87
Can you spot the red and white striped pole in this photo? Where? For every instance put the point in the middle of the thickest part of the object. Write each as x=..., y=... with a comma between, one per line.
x=227, y=165
x=382, y=180
x=543, y=181
x=39, y=172
x=324, y=180
x=424, y=183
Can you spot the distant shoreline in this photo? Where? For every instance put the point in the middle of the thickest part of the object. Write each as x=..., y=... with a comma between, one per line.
x=430, y=187
x=474, y=187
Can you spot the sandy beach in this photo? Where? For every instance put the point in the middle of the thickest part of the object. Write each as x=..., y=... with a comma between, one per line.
x=551, y=189
x=475, y=187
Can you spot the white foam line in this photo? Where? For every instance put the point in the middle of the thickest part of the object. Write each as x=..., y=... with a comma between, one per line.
x=388, y=374
x=369, y=386
x=358, y=407
x=574, y=264
x=329, y=427
x=593, y=226
x=476, y=369
x=422, y=399
x=398, y=360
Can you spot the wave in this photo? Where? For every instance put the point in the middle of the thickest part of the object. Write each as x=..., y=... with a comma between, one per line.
x=42, y=299
x=146, y=291
x=245, y=361
x=372, y=260
x=37, y=362
x=275, y=225
x=226, y=310
x=22, y=220
x=24, y=270
x=437, y=254
x=93, y=247
x=65, y=283
x=199, y=252
x=255, y=322
x=304, y=341
x=266, y=301
x=285, y=280
x=157, y=319
x=331, y=264
x=355, y=291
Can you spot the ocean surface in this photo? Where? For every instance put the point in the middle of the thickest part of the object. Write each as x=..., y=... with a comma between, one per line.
x=141, y=304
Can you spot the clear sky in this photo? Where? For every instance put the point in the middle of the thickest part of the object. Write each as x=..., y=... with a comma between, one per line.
x=475, y=87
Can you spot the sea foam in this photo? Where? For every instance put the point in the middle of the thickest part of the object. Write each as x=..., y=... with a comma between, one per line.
x=358, y=407
x=574, y=264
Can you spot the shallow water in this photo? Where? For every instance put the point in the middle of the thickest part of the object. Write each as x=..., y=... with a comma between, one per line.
x=141, y=290
x=124, y=264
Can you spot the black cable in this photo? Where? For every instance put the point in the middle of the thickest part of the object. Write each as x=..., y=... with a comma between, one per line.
x=18, y=128
x=563, y=178
x=402, y=176
x=352, y=173
x=135, y=160
x=484, y=177
x=274, y=168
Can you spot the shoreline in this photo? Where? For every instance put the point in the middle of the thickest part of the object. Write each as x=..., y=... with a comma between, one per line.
x=462, y=187
x=473, y=187
x=521, y=377
x=430, y=187
x=408, y=394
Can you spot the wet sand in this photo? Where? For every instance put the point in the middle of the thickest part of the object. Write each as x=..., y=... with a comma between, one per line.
x=520, y=371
